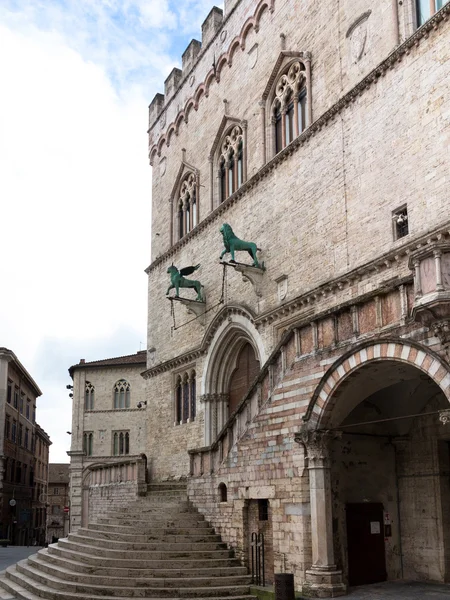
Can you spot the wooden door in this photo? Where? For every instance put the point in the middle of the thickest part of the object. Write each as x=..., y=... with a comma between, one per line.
x=246, y=370
x=365, y=540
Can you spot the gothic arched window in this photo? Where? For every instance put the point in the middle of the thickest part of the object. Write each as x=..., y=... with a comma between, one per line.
x=231, y=162
x=185, y=398
x=288, y=109
x=187, y=205
x=122, y=394
x=89, y=392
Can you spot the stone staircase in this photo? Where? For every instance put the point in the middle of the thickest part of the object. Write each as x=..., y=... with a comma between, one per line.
x=158, y=547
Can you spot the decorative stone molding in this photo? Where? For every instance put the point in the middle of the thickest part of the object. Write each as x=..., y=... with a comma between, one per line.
x=252, y=274
x=444, y=416
x=317, y=444
x=194, y=307
x=409, y=352
x=441, y=330
x=213, y=398
x=431, y=26
x=213, y=74
x=431, y=267
x=225, y=313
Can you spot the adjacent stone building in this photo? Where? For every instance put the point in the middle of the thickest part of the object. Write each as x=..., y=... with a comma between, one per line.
x=41, y=448
x=58, y=502
x=307, y=397
x=23, y=455
x=109, y=431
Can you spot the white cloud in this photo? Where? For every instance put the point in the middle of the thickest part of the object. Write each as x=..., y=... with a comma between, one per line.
x=75, y=190
x=76, y=204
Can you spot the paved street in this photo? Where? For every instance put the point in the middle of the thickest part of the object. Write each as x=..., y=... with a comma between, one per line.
x=409, y=590
x=12, y=554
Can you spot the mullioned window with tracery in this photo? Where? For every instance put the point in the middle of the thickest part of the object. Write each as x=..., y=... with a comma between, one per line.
x=231, y=162
x=289, y=114
x=185, y=398
x=187, y=205
x=89, y=392
x=121, y=443
x=122, y=391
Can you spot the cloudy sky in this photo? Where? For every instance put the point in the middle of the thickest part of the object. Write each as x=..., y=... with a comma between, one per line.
x=76, y=78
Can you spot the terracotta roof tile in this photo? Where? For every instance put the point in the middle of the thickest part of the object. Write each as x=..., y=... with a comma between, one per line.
x=140, y=358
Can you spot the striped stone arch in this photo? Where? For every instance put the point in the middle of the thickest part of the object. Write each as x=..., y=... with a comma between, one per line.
x=406, y=352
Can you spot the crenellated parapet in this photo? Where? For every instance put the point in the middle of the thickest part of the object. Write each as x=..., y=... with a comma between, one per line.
x=213, y=24
x=172, y=83
x=190, y=55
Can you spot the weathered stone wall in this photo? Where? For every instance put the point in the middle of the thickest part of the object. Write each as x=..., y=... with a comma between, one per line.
x=110, y=496
x=336, y=277
x=333, y=197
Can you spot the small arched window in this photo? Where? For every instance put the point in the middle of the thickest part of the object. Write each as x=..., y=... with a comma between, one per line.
x=187, y=213
x=88, y=443
x=185, y=398
x=222, y=492
x=122, y=394
x=231, y=162
x=89, y=392
x=289, y=114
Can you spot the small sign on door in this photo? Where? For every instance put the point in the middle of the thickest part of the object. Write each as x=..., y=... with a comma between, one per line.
x=375, y=527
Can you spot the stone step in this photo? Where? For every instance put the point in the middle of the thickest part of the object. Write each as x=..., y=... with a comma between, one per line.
x=159, y=547
x=22, y=591
x=126, y=521
x=33, y=580
x=170, y=525
x=156, y=512
x=76, y=565
x=114, y=580
x=154, y=535
x=137, y=563
x=155, y=508
x=117, y=544
x=147, y=554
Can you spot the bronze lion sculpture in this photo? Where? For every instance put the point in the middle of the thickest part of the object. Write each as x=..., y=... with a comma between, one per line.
x=233, y=244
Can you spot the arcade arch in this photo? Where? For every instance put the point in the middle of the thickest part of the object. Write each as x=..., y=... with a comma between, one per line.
x=234, y=359
x=379, y=466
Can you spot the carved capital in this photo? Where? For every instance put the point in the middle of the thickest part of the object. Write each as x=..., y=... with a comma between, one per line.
x=214, y=398
x=441, y=330
x=317, y=444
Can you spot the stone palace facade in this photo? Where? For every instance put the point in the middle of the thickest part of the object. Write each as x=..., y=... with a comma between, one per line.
x=306, y=397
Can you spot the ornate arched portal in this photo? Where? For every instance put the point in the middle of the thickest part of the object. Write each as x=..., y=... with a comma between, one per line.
x=236, y=354
x=379, y=460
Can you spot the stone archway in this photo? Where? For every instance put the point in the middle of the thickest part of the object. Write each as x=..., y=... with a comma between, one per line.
x=235, y=355
x=374, y=439
x=320, y=409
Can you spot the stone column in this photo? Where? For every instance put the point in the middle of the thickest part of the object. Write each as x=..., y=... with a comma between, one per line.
x=322, y=579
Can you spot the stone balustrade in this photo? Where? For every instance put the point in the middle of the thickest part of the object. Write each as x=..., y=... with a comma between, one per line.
x=209, y=458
